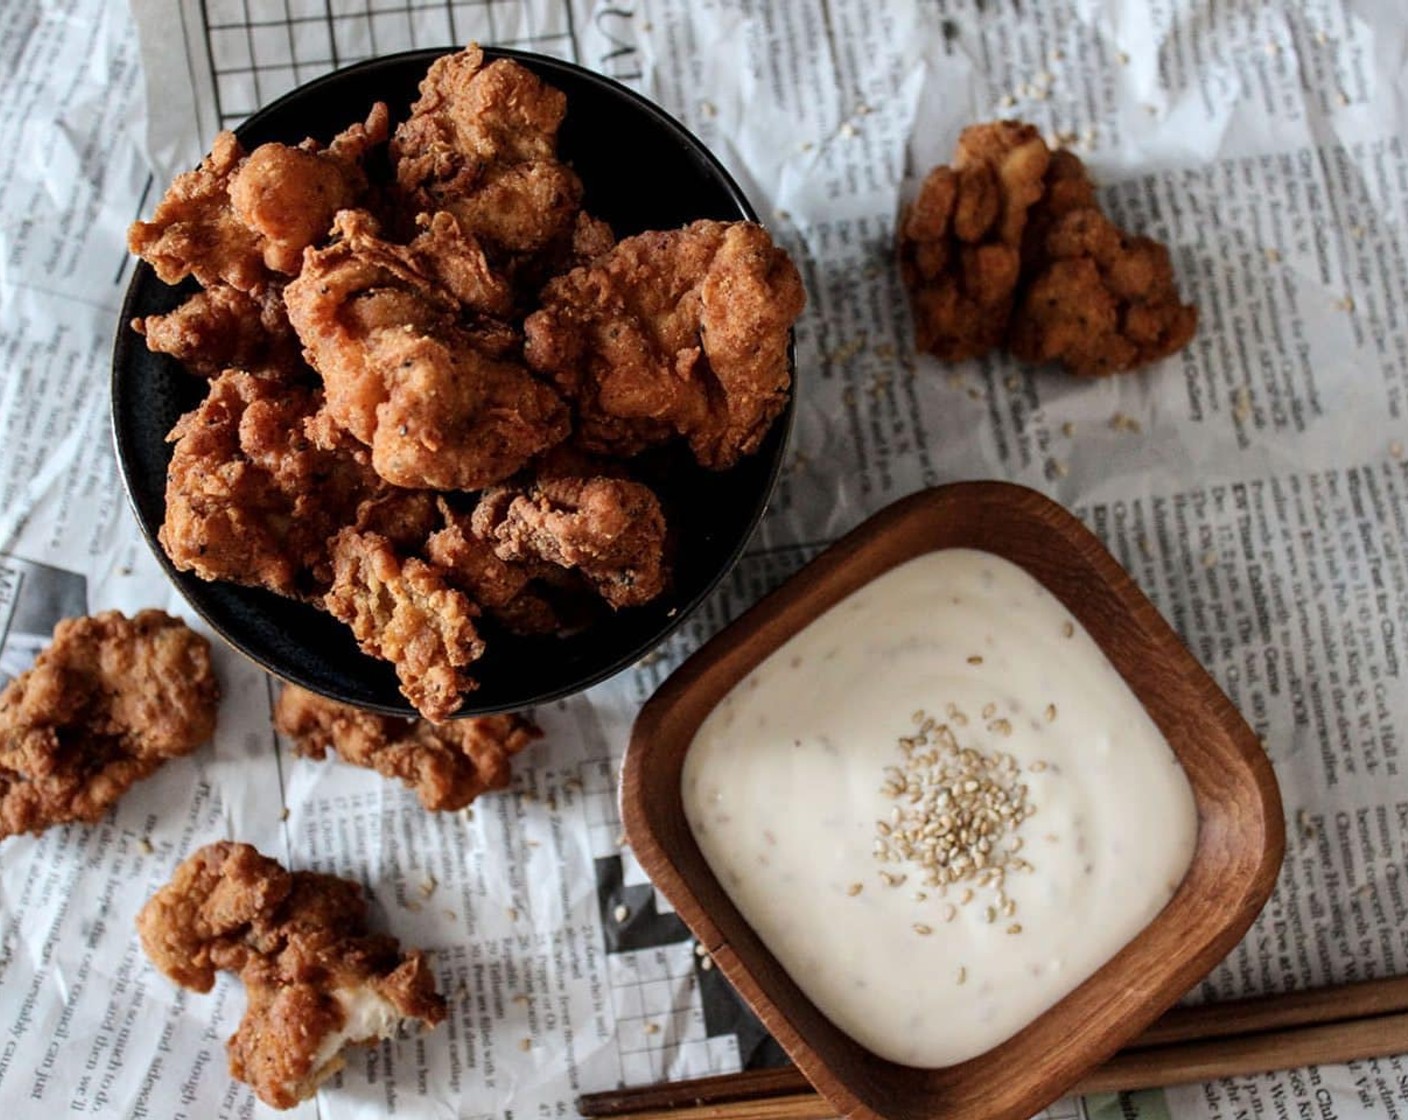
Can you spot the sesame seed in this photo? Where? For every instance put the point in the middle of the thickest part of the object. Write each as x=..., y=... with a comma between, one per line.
x=651, y=1028
x=855, y=889
x=1015, y=927
x=1068, y=429
x=923, y=930
x=1395, y=449
x=976, y=659
x=1124, y=58
x=962, y=975
x=707, y=963
x=1273, y=255
x=145, y=845
x=1037, y=767
x=621, y=913
x=525, y=1044
x=1068, y=630
x=1050, y=712
x=989, y=710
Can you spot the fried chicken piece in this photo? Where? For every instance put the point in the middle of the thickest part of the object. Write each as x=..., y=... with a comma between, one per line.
x=960, y=243
x=250, y=497
x=481, y=143
x=241, y=220
x=106, y=704
x=403, y=611
x=610, y=529
x=447, y=765
x=382, y=324
x=1100, y=301
x=1067, y=187
x=221, y=328
x=316, y=980
x=513, y=595
x=676, y=333
x=289, y=196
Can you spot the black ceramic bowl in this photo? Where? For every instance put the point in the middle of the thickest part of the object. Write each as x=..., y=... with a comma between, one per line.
x=641, y=171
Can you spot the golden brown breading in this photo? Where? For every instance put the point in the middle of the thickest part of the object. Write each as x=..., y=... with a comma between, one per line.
x=315, y=979
x=288, y=196
x=677, y=333
x=1097, y=300
x=403, y=375
x=610, y=529
x=511, y=594
x=222, y=328
x=447, y=765
x=960, y=243
x=1009, y=247
x=250, y=497
x=481, y=143
x=403, y=611
x=240, y=220
x=106, y=704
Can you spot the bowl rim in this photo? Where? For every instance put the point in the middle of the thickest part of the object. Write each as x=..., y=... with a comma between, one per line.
x=1029, y=1079
x=143, y=274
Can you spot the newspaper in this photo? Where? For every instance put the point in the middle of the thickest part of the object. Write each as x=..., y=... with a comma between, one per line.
x=1256, y=486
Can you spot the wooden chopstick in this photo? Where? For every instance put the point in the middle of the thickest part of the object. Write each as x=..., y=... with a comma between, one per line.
x=1320, y=1026
x=1154, y=1067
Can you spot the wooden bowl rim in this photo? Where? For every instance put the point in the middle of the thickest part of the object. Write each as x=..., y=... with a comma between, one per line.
x=849, y=563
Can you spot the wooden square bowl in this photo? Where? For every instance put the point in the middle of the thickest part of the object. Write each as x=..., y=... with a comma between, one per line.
x=1240, y=838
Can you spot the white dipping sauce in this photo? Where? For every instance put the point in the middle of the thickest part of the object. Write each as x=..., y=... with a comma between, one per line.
x=785, y=789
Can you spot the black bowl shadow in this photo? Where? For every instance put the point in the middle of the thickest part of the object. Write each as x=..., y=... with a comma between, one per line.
x=641, y=171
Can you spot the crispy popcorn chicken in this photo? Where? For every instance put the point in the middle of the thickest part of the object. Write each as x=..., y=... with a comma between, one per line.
x=682, y=333
x=250, y=497
x=221, y=328
x=1098, y=300
x=481, y=143
x=106, y=704
x=244, y=219
x=610, y=529
x=382, y=324
x=515, y=595
x=1008, y=247
x=960, y=243
x=403, y=611
x=315, y=979
x=447, y=765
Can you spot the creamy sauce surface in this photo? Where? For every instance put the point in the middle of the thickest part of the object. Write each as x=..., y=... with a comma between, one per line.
x=950, y=720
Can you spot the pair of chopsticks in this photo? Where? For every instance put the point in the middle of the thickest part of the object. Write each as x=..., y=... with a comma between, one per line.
x=1323, y=1026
